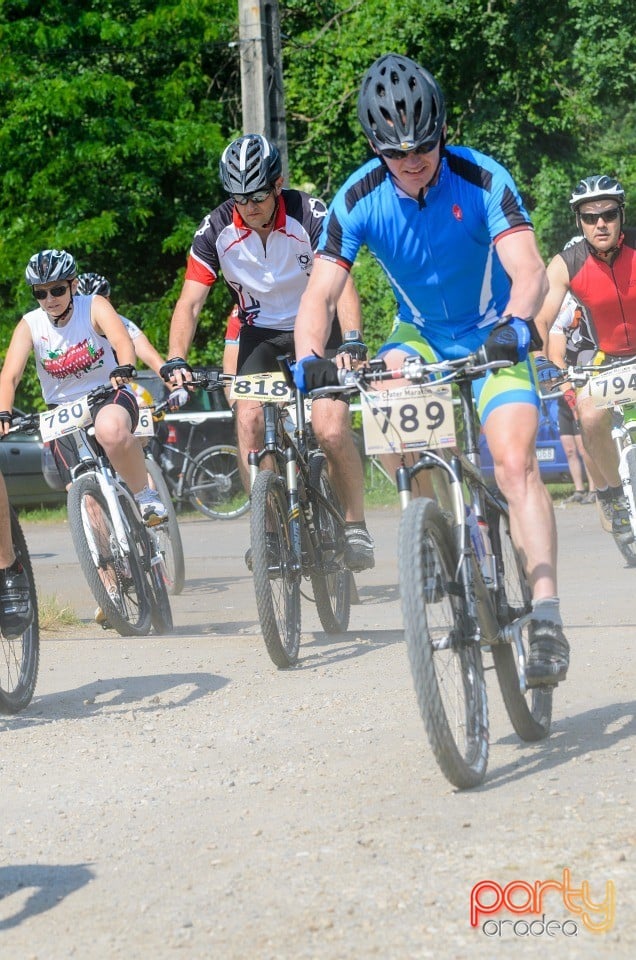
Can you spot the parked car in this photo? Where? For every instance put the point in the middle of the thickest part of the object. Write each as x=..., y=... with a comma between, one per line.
x=21, y=465
x=209, y=410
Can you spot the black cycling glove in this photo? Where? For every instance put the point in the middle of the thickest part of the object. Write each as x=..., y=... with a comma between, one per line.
x=354, y=345
x=175, y=363
x=126, y=372
x=313, y=373
x=512, y=340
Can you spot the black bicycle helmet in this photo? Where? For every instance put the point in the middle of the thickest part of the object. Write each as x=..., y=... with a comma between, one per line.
x=599, y=187
x=400, y=105
x=250, y=163
x=88, y=283
x=49, y=265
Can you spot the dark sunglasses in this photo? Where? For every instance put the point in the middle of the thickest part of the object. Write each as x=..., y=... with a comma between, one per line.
x=608, y=216
x=257, y=197
x=54, y=291
x=401, y=154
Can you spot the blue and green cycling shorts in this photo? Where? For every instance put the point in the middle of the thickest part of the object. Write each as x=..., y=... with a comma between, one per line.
x=516, y=384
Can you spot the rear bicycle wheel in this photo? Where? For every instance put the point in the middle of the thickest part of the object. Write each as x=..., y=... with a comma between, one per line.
x=331, y=580
x=168, y=534
x=214, y=484
x=146, y=540
x=530, y=713
x=115, y=576
x=446, y=667
x=20, y=658
x=276, y=586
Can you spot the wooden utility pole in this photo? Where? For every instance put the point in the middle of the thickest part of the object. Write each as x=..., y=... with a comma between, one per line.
x=263, y=100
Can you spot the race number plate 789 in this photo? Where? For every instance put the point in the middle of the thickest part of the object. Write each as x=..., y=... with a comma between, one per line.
x=408, y=418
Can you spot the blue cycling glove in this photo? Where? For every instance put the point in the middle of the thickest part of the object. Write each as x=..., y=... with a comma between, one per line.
x=312, y=373
x=512, y=340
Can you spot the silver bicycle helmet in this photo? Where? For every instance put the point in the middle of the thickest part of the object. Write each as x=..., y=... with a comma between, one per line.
x=248, y=164
x=88, y=283
x=49, y=265
x=400, y=104
x=598, y=187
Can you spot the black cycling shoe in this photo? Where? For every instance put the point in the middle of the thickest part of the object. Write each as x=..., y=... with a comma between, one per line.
x=549, y=656
x=273, y=552
x=16, y=609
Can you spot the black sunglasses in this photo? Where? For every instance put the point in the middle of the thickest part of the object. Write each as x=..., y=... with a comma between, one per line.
x=54, y=291
x=608, y=216
x=401, y=154
x=257, y=197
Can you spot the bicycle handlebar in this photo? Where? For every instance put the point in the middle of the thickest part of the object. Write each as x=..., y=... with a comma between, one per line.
x=416, y=370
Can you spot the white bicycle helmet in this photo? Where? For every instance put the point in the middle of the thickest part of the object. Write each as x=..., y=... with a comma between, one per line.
x=249, y=164
x=600, y=187
x=49, y=265
x=91, y=283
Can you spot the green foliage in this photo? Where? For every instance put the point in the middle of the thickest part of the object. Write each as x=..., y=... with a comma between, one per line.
x=113, y=116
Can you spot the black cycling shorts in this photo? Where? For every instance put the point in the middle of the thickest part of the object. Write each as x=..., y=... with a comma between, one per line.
x=64, y=449
x=259, y=347
x=568, y=424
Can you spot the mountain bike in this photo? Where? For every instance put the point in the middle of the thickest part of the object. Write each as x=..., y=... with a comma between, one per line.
x=612, y=386
x=464, y=590
x=20, y=658
x=209, y=481
x=297, y=524
x=120, y=557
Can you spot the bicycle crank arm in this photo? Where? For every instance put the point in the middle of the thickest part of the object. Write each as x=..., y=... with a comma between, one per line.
x=512, y=633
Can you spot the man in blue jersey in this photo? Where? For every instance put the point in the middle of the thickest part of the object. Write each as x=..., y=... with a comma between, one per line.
x=450, y=230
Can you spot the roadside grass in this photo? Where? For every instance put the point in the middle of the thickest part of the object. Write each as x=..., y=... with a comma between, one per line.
x=44, y=514
x=54, y=615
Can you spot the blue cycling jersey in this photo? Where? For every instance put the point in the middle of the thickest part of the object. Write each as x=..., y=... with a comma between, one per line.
x=439, y=255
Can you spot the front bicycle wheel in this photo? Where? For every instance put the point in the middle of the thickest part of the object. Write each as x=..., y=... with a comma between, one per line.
x=20, y=658
x=214, y=485
x=330, y=579
x=114, y=575
x=445, y=664
x=530, y=713
x=276, y=585
x=168, y=534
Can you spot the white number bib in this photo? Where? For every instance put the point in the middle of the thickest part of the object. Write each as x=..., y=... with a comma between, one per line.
x=271, y=387
x=146, y=425
x=615, y=386
x=408, y=418
x=64, y=419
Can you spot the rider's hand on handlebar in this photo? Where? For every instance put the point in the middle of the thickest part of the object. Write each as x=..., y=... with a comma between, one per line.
x=176, y=372
x=313, y=373
x=122, y=374
x=178, y=398
x=512, y=340
x=6, y=419
x=352, y=349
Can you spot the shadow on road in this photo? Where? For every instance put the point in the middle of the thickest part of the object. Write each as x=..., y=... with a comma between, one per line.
x=328, y=649
x=120, y=695
x=572, y=738
x=49, y=885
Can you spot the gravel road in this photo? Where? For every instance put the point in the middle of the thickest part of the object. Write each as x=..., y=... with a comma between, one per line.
x=179, y=797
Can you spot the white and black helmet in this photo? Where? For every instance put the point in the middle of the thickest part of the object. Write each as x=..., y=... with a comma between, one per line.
x=400, y=105
x=599, y=187
x=91, y=283
x=248, y=164
x=49, y=265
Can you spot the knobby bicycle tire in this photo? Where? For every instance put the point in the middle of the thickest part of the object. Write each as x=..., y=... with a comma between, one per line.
x=168, y=534
x=628, y=550
x=20, y=658
x=152, y=563
x=331, y=582
x=530, y=713
x=277, y=589
x=105, y=565
x=446, y=668
x=213, y=484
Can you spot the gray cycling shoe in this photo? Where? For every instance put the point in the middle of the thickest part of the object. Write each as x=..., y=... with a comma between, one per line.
x=549, y=656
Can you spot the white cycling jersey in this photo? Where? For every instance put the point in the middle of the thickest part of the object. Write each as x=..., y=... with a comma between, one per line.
x=71, y=360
